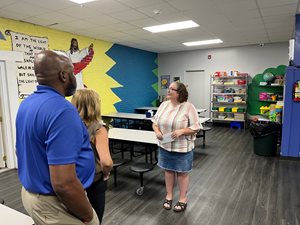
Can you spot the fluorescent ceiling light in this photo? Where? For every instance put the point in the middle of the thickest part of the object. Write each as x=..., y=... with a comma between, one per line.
x=172, y=26
x=206, y=42
x=81, y=1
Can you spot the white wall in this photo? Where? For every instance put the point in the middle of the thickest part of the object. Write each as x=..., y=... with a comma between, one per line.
x=252, y=59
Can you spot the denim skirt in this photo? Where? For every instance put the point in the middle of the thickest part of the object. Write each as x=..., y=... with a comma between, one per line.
x=175, y=161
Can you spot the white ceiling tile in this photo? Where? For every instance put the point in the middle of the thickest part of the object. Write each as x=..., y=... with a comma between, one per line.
x=25, y=8
x=123, y=26
x=79, y=12
x=243, y=15
x=38, y=21
x=79, y=24
x=117, y=34
x=64, y=27
x=236, y=6
x=103, y=29
x=248, y=23
x=171, y=18
x=102, y=19
x=268, y=3
x=289, y=9
x=108, y=6
x=281, y=38
x=191, y=4
x=158, y=9
x=56, y=17
x=140, y=33
x=52, y=4
x=144, y=22
x=279, y=19
x=11, y=15
x=129, y=15
x=140, y=3
x=128, y=38
x=7, y=2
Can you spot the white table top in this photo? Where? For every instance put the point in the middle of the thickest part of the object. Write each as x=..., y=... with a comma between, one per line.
x=124, y=134
x=132, y=116
x=203, y=119
x=137, y=116
x=155, y=109
x=9, y=216
x=143, y=136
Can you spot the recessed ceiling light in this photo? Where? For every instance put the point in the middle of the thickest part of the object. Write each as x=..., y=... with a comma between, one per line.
x=81, y=1
x=172, y=26
x=206, y=42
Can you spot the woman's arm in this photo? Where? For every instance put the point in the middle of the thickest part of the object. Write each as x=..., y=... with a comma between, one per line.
x=101, y=143
x=157, y=131
x=185, y=131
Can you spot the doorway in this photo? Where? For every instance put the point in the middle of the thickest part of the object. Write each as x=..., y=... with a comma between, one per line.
x=198, y=88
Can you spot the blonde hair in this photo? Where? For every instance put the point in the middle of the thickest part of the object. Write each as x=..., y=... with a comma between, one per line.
x=88, y=104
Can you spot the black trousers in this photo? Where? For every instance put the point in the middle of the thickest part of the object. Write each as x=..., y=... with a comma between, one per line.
x=96, y=195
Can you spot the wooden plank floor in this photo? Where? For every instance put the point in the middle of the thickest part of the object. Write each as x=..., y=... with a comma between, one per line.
x=229, y=185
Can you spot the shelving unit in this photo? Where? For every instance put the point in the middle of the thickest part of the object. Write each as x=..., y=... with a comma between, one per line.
x=229, y=98
x=270, y=90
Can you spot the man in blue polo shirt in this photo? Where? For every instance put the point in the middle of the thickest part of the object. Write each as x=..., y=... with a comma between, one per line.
x=55, y=159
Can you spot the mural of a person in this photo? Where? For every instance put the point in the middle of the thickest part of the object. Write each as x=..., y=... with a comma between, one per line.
x=80, y=59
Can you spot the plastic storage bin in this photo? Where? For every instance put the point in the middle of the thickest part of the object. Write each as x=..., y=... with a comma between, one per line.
x=235, y=109
x=221, y=109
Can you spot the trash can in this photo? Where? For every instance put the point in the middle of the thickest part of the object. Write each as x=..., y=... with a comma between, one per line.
x=265, y=138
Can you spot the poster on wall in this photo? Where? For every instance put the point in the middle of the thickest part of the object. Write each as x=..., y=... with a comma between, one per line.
x=165, y=81
x=29, y=45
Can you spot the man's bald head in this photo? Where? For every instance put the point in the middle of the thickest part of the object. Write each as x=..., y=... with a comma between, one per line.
x=54, y=69
x=47, y=65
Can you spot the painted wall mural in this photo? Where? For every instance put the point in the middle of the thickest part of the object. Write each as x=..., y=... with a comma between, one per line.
x=124, y=77
x=134, y=71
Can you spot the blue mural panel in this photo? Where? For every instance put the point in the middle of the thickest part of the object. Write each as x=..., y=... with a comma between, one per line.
x=2, y=36
x=134, y=70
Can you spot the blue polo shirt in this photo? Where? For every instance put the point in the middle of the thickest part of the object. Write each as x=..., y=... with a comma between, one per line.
x=49, y=131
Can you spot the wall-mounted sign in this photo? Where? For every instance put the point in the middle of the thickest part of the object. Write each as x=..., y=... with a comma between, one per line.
x=29, y=45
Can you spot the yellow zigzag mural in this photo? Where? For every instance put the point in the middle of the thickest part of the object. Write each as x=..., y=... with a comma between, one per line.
x=94, y=75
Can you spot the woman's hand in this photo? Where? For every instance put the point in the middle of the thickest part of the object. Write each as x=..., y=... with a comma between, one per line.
x=159, y=135
x=177, y=133
x=106, y=177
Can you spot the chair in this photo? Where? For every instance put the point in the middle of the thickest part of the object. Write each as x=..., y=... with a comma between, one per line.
x=117, y=163
x=141, y=168
x=201, y=133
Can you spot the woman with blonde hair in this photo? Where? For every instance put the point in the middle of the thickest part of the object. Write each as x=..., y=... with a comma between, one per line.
x=87, y=102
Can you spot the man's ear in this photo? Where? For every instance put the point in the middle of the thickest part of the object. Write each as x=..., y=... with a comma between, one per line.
x=63, y=76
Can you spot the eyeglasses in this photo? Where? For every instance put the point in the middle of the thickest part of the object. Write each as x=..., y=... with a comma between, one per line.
x=172, y=89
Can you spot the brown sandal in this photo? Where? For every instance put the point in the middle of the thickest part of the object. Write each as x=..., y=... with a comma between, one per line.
x=167, y=204
x=182, y=206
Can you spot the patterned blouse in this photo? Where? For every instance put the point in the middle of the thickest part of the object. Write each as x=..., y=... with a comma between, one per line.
x=169, y=118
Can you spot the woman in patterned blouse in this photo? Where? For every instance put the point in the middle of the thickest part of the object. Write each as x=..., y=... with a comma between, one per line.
x=175, y=125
